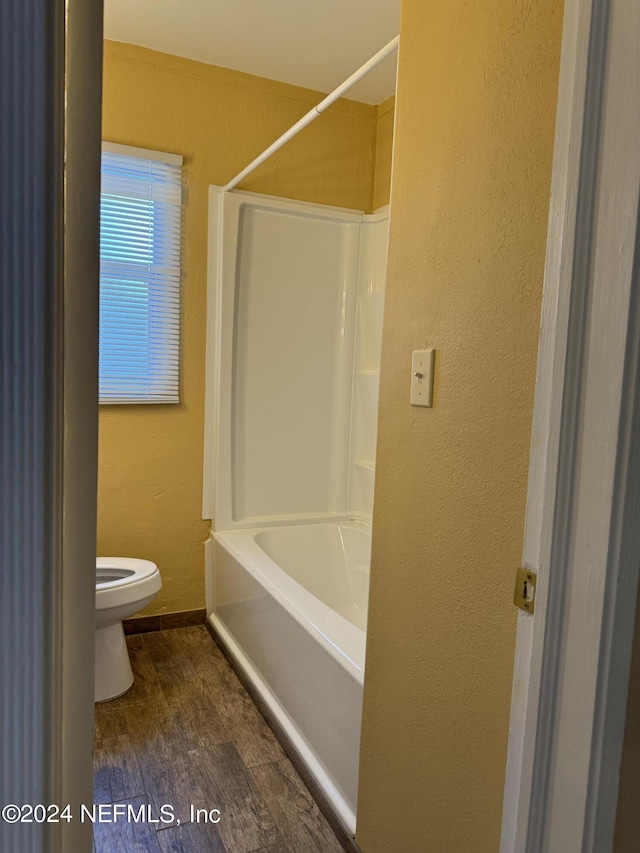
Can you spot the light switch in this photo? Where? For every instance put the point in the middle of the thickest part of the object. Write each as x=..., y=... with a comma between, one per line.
x=422, y=361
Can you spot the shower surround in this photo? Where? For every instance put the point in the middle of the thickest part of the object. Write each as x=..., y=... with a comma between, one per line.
x=295, y=308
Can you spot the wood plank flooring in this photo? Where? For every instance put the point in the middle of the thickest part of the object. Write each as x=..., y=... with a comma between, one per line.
x=187, y=733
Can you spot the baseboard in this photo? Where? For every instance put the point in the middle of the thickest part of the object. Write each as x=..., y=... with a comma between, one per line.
x=347, y=840
x=165, y=621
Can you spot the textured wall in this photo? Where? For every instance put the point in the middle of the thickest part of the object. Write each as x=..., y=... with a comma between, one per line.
x=384, y=147
x=150, y=479
x=472, y=164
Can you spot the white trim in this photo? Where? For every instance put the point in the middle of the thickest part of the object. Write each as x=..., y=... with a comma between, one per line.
x=572, y=656
x=378, y=214
x=82, y=91
x=157, y=401
x=545, y=431
x=143, y=153
x=266, y=197
x=50, y=175
x=212, y=375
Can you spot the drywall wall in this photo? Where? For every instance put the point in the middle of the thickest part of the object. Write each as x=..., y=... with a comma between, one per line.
x=384, y=146
x=475, y=111
x=150, y=476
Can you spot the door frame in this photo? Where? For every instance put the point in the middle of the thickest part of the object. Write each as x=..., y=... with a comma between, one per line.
x=50, y=108
x=581, y=535
x=77, y=389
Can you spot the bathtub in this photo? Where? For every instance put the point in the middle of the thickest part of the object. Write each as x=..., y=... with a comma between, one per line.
x=290, y=604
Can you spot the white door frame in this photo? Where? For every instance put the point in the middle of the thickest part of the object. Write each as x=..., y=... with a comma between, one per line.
x=582, y=534
x=50, y=106
x=77, y=388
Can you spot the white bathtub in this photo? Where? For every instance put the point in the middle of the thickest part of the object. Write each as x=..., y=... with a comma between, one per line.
x=290, y=604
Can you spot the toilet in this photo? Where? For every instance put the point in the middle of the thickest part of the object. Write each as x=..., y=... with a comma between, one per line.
x=124, y=586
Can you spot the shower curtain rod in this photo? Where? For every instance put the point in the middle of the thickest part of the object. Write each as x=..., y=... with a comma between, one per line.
x=314, y=112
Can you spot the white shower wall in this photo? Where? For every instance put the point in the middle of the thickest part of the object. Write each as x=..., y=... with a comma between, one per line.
x=372, y=273
x=295, y=320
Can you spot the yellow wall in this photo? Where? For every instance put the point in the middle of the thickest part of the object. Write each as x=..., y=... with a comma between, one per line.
x=472, y=164
x=384, y=146
x=150, y=477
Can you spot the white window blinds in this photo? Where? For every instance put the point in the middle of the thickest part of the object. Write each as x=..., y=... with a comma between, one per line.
x=140, y=219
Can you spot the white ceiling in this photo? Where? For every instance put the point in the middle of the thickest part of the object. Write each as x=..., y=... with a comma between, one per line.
x=312, y=43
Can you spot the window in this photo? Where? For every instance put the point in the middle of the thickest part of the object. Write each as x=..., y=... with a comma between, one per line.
x=140, y=219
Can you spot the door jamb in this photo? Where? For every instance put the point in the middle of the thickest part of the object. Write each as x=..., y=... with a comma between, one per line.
x=588, y=346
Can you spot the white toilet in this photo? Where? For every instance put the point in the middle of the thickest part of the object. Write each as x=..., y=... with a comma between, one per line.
x=123, y=587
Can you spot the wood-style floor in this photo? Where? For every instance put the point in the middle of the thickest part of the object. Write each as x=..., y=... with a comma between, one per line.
x=188, y=733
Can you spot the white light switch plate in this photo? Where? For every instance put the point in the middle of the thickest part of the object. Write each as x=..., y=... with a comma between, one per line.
x=422, y=361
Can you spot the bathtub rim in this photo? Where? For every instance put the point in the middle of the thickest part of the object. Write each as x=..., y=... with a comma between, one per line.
x=316, y=617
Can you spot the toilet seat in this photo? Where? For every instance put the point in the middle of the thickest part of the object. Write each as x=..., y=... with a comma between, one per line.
x=124, y=567
x=124, y=580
